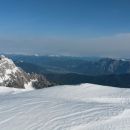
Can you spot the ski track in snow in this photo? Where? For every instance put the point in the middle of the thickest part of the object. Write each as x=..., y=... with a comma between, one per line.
x=81, y=107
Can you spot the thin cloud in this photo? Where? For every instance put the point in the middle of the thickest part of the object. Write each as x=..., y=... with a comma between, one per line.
x=115, y=46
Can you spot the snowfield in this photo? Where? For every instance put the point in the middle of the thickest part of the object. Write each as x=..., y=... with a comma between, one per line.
x=81, y=107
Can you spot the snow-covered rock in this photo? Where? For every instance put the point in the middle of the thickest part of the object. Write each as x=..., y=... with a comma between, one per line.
x=13, y=76
x=81, y=107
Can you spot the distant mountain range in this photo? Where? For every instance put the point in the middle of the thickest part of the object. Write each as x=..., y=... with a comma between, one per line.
x=76, y=70
x=79, y=65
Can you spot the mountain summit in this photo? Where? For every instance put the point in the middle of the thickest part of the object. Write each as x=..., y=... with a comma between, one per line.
x=13, y=76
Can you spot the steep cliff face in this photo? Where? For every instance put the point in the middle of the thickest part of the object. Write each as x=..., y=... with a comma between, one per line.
x=13, y=76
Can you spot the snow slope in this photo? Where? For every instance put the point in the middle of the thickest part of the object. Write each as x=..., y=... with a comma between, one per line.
x=81, y=107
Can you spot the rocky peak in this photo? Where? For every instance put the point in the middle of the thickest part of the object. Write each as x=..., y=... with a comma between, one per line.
x=13, y=76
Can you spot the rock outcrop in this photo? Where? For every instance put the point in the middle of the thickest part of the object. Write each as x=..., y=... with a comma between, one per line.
x=13, y=76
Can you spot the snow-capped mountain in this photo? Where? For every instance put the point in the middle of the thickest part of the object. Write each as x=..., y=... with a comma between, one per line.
x=13, y=76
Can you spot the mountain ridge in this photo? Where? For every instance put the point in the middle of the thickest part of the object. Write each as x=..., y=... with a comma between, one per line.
x=13, y=76
x=87, y=66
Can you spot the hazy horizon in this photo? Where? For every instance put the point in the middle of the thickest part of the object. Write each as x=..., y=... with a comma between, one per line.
x=65, y=27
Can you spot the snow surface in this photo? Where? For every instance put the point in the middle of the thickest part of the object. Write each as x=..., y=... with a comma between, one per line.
x=81, y=107
x=6, y=90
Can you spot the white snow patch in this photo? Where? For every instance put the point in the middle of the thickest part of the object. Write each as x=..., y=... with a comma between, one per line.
x=29, y=85
x=80, y=107
x=6, y=90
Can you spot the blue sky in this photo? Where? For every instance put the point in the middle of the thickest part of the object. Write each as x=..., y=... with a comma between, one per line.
x=66, y=27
